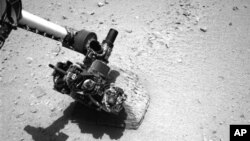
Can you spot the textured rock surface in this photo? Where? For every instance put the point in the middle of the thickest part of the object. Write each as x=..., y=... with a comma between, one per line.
x=138, y=99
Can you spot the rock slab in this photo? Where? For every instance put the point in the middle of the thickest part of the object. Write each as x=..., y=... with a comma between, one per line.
x=137, y=102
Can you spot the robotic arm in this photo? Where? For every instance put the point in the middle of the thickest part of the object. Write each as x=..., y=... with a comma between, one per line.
x=12, y=16
x=86, y=82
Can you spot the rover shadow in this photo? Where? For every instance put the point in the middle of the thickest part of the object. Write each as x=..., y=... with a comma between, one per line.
x=88, y=120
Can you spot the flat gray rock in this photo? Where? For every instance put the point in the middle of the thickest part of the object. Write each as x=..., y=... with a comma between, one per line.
x=138, y=100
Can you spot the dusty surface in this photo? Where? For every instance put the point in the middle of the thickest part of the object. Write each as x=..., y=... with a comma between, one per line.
x=192, y=56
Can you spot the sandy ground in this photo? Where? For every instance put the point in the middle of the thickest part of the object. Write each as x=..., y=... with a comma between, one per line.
x=192, y=56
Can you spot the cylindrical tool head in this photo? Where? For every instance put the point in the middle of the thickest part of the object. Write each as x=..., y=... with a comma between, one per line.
x=110, y=39
x=82, y=39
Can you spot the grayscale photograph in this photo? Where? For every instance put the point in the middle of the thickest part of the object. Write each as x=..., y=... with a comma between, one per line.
x=125, y=70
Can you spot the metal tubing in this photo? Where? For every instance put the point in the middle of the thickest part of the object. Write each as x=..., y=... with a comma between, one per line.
x=43, y=25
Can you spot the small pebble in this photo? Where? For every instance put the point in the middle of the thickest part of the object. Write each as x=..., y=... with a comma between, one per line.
x=33, y=110
x=166, y=45
x=52, y=109
x=92, y=13
x=106, y=2
x=19, y=114
x=235, y=8
x=64, y=17
x=186, y=14
x=128, y=30
x=221, y=122
x=29, y=60
x=203, y=29
x=100, y=4
x=179, y=60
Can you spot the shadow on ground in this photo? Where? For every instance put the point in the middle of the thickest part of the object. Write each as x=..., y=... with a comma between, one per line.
x=88, y=120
